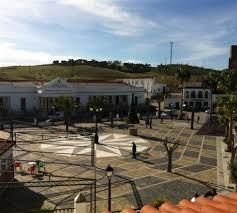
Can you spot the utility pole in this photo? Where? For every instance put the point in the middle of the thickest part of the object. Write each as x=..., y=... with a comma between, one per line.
x=171, y=51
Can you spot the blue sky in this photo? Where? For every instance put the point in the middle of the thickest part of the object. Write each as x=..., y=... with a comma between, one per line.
x=39, y=31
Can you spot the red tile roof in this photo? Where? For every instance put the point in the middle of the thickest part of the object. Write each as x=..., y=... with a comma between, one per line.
x=219, y=204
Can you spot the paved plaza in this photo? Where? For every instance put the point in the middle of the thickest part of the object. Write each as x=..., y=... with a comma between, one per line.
x=135, y=182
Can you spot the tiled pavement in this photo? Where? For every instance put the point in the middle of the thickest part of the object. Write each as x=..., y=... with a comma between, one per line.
x=194, y=166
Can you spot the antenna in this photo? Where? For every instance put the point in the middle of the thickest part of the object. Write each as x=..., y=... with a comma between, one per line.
x=171, y=51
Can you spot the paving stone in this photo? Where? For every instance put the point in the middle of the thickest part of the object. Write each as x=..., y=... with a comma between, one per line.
x=149, y=180
x=158, y=160
x=208, y=161
x=191, y=154
x=196, y=168
x=209, y=147
x=160, y=148
x=165, y=165
x=174, y=191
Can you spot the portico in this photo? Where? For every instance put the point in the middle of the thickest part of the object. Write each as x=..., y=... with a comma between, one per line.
x=22, y=97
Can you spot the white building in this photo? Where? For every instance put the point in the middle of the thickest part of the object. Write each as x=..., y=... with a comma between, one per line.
x=29, y=96
x=194, y=95
x=149, y=84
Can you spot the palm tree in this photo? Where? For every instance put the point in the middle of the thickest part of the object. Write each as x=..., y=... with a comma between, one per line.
x=223, y=116
x=159, y=98
x=182, y=76
x=227, y=108
x=227, y=82
x=66, y=104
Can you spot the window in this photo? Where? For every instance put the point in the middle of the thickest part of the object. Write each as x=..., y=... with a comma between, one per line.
x=23, y=104
x=206, y=94
x=200, y=94
x=193, y=94
x=191, y=103
x=205, y=104
x=187, y=94
x=124, y=98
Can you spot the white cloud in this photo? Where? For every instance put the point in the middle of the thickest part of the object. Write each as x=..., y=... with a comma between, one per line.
x=115, y=18
x=11, y=55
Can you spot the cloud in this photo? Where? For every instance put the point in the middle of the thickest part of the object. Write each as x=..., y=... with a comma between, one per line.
x=113, y=17
x=11, y=55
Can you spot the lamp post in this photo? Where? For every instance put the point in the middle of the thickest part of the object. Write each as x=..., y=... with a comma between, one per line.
x=184, y=108
x=192, y=117
x=109, y=173
x=96, y=111
x=53, y=112
x=171, y=111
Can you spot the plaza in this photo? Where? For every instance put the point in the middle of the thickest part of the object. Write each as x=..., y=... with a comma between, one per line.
x=134, y=182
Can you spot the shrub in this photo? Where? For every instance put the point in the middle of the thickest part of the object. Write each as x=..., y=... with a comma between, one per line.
x=158, y=202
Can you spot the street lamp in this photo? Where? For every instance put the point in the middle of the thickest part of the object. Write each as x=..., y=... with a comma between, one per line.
x=96, y=111
x=208, y=111
x=171, y=112
x=184, y=108
x=53, y=111
x=109, y=173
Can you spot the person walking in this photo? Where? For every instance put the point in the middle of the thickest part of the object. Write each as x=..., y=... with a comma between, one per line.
x=188, y=118
x=161, y=118
x=150, y=122
x=134, y=150
x=198, y=119
x=147, y=122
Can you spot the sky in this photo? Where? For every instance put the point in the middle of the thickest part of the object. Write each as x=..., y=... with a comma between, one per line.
x=40, y=31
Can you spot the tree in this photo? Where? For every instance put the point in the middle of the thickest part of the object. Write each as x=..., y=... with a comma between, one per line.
x=56, y=62
x=170, y=149
x=212, y=81
x=227, y=82
x=132, y=114
x=66, y=104
x=227, y=108
x=159, y=98
x=182, y=75
x=233, y=172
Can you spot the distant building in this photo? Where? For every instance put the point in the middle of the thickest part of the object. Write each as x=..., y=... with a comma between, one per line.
x=149, y=84
x=194, y=95
x=6, y=162
x=233, y=57
x=29, y=96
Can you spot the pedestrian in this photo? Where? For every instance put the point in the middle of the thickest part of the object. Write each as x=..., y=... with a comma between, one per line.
x=147, y=121
x=194, y=198
x=198, y=118
x=161, y=118
x=150, y=122
x=134, y=150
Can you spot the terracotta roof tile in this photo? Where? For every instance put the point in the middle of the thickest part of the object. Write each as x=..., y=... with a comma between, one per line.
x=219, y=204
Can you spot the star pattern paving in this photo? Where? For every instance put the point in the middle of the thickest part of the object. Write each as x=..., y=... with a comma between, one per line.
x=109, y=145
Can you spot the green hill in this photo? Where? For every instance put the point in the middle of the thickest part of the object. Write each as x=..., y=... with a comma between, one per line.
x=163, y=73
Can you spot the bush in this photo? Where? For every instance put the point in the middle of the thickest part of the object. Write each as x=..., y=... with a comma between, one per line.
x=158, y=202
x=233, y=171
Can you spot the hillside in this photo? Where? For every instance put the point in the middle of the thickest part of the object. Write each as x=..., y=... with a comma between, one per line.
x=162, y=73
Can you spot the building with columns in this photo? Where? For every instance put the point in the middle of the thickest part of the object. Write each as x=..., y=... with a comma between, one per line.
x=29, y=96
